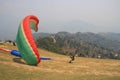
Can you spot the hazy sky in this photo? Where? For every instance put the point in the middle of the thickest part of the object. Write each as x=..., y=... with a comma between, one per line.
x=61, y=15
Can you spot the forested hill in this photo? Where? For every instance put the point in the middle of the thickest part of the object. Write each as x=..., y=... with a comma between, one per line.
x=100, y=45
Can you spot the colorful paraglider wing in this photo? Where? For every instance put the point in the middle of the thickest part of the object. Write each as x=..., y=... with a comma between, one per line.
x=25, y=41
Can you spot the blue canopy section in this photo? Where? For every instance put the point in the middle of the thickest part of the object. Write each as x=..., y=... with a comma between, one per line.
x=43, y=58
x=16, y=53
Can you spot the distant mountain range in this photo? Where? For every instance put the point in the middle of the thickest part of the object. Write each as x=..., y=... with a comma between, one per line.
x=106, y=45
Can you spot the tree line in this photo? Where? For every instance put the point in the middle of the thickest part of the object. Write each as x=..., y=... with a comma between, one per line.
x=66, y=44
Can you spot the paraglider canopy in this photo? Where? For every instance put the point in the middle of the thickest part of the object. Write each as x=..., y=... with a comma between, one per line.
x=25, y=41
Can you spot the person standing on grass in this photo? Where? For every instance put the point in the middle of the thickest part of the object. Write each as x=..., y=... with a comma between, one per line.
x=72, y=57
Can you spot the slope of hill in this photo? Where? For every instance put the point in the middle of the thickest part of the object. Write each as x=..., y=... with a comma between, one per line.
x=15, y=68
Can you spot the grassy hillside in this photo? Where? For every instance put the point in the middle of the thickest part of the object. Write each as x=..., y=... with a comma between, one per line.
x=14, y=68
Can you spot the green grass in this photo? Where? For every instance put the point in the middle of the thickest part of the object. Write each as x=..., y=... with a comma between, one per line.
x=14, y=73
x=59, y=68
